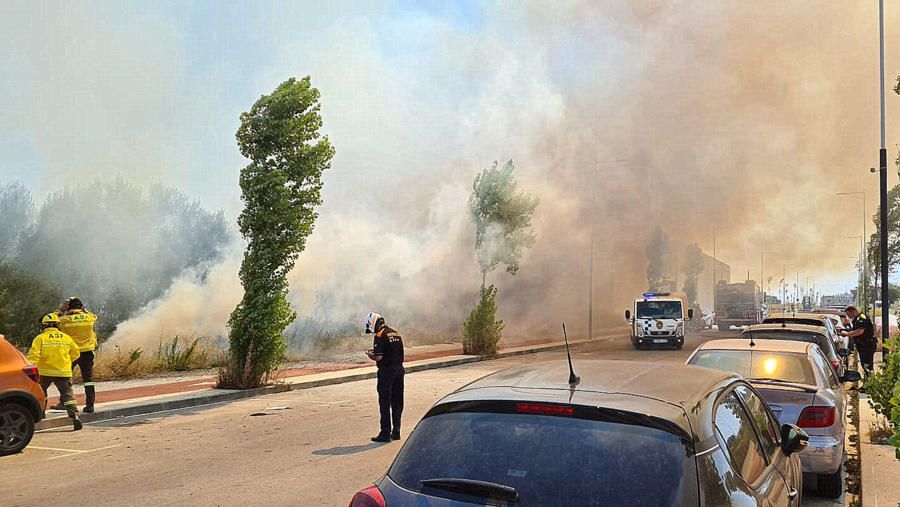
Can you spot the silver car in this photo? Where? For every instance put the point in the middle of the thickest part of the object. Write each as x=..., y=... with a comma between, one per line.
x=810, y=319
x=800, y=386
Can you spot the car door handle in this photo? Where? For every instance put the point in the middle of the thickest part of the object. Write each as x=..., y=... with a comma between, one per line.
x=793, y=493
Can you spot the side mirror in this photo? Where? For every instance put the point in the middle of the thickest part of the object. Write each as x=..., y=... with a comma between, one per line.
x=851, y=376
x=690, y=313
x=793, y=439
x=844, y=352
x=627, y=314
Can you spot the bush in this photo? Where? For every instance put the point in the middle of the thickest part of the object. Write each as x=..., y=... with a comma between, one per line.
x=481, y=332
x=24, y=298
x=881, y=384
x=119, y=365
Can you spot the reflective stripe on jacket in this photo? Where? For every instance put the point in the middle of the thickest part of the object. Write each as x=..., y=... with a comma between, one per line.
x=53, y=352
x=79, y=324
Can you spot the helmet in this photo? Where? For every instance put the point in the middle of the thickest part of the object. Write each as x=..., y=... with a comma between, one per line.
x=74, y=303
x=373, y=323
x=50, y=320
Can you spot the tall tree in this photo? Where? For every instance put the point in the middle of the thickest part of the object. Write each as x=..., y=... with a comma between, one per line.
x=281, y=188
x=657, y=252
x=502, y=217
x=17, y=210
x=692, y=267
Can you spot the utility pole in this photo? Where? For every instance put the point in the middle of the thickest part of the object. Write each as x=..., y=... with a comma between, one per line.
x=591, y=254
x=862, y=248
x=882, y=157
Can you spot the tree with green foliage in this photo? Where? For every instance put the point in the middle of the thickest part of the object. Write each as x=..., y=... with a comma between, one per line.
x=280, y=188
x=502, y=216
x=657, y=252
x=17, y=210
x=24, y=298
x=874, y=242
x=692, y=267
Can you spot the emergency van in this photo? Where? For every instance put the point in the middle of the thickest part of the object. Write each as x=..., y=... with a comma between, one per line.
x=658, y=318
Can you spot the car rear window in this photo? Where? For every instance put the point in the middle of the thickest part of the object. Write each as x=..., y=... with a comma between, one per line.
x=789, y=320
x=549, y=460
x=819, y=339
x=787, y=367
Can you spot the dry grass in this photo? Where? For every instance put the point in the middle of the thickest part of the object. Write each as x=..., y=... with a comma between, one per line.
x=175, y=354
x=880, y=431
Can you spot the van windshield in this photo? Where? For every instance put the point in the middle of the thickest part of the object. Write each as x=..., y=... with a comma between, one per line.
x=659, y=310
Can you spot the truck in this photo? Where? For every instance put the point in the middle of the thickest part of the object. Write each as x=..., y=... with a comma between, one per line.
x=658, y=318
x=738, y=304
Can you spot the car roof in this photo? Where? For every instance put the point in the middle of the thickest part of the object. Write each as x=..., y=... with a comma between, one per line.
x=797, y=315
x=758, y=345
x=789, y=327
x=659, y=390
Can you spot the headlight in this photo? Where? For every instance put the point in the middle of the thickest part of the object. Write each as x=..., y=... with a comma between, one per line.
x=639, y=330
x=679, y=329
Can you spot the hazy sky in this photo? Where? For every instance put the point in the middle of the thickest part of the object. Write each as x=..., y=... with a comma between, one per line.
x=738, y=114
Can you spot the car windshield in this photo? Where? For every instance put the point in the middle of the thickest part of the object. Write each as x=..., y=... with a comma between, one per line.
x=783, y=366
x=659, y=309
x=549, y=460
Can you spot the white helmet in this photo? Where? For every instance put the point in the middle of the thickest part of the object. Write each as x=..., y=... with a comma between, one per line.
x=373, y=323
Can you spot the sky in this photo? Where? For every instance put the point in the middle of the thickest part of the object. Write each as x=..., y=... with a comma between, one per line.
x=745, y=118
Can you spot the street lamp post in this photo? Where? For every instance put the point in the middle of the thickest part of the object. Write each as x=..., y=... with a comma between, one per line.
x=591, y=254
x=882, y=158
x=865, y=294
x=784, y=284
x=762, y=272
x=862, y=286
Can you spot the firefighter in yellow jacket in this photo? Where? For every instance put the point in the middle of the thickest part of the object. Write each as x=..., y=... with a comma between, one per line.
x=78, y=323
x=53, y=352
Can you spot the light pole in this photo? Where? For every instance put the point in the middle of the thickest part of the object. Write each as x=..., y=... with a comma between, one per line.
x=591, y=254
x=863, y=284
x=882, y=158
x=784, y=284
x=862, y=248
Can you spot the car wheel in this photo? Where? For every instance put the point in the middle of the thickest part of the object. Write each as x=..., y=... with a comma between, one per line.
x=16, y=428
x=830, y=485
x=637, y=346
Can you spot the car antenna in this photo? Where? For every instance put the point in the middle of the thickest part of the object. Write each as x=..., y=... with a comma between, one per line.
x=573, y=379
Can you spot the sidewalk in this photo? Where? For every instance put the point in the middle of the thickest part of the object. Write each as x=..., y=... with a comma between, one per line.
x=157, y=394
x=880, y=469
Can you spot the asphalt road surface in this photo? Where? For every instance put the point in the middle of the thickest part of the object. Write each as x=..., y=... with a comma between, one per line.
x=314, y=452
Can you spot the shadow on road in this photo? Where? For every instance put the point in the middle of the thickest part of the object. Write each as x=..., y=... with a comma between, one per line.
x=348, y=449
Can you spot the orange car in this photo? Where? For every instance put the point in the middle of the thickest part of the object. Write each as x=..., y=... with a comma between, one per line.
x=21, y=399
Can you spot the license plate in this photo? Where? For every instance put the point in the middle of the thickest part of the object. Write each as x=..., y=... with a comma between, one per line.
x=660, y=340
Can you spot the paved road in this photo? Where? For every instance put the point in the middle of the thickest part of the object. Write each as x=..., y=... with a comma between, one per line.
x=316, y=452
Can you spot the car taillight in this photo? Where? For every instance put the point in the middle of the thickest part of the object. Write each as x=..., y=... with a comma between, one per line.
x=369, y=497
x=816, y=417
x=543, y=409
x=32, y=372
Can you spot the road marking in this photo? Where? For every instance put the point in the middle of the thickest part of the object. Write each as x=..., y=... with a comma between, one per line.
x=54, y=449
x=76, y=453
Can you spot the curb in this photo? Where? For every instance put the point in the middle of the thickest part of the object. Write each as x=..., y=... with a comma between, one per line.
x=151, y=407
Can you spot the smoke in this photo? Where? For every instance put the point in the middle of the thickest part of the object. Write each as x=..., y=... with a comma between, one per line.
x=736, y=117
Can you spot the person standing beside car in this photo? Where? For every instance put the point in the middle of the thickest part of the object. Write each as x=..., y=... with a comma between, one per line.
x=387, y=352
x=53, y=352
x=862, y=335
x=78, y=323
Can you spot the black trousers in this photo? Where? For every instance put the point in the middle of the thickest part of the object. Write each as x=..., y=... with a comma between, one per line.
x=866, y=356
x=390, y=397
x=86, y=363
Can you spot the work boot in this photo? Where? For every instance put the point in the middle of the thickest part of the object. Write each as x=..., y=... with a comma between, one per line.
x=90, y=395
x=395, y=435
x=382, y=437
x=76, y=424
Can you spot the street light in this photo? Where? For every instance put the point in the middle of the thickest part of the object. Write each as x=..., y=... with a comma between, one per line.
x=784, y=283
x=862, y=242
x=591, y=255
x=883, y=190
x=863, y=284
x=762, y=273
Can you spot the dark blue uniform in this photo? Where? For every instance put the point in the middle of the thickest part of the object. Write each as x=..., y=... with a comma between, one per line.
x=389, y=345
x=865, y=343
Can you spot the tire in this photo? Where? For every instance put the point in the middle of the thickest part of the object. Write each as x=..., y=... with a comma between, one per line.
x=637, y=346
x=16, y=428
x=830, y=485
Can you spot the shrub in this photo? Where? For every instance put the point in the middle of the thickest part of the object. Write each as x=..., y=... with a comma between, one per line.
x=880, y=385
x=118, y=365
x=481, y=331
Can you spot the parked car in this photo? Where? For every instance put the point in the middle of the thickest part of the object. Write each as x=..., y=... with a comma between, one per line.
x=21, y=399
x=811, y=319
x=801, y=387
x=628, y=434
x=799, y=332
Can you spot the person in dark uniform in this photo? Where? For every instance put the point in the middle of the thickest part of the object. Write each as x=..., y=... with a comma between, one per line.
x=863, y=338
x=387, y=352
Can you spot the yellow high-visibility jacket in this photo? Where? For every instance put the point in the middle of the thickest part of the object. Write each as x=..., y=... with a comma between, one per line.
x=79, y=324
x=53, y=353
